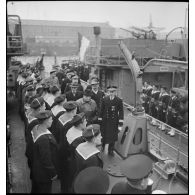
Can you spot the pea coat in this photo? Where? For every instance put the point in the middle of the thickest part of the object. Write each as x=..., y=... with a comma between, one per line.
x=111, y=112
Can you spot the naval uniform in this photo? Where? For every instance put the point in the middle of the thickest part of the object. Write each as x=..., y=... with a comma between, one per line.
x=44, y=162
x=162, y=106
x=87, y=155
x=64, y=83
x=153, y=103
x=111, y=114
x=97, y=97
x=63, y=125
x=173, y=111
x=68, y=88
x=73, y=97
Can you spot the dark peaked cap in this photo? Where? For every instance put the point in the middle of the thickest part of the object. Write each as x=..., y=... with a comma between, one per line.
x=70, y=105
x=92, y=180
x=43, y=115
x=112, y=88
x=37, y=102
x=136, y=166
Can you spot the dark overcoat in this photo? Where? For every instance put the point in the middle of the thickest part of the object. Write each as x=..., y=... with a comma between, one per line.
x=71, y=97
x=45, y=163
x=98, y=99
x=111, y=112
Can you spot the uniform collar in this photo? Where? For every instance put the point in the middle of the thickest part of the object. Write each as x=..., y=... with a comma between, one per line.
x=86, y=150
x=73, y=133
x=36, y=137
x=56, y=109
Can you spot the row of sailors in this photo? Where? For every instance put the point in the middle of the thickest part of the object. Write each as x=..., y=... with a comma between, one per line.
x=60, y=134
x=168, y=108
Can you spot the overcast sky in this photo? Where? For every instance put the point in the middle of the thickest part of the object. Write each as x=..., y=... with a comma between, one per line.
x=117, y=13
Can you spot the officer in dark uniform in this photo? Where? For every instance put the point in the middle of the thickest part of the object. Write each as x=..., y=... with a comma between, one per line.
x=163, y=104
x=153, y=101
x=173, y=111
x=69, y=73
x=111, y=117
x=74, y=94
x=136, y=169
x=75, y=80
x=92, y=180
x=45, y=164
x=97, y=94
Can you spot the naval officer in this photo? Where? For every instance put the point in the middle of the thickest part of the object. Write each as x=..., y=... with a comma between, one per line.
x=112, y=116
x=136, y=169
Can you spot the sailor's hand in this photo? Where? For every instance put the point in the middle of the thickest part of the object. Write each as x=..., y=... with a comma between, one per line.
x=54, y=178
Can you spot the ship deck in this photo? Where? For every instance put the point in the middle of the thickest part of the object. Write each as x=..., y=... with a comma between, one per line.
x=20, y=172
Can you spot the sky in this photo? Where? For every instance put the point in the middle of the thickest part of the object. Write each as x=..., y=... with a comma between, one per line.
x=121, y=14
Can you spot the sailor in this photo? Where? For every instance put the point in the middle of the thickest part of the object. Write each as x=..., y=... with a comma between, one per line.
x=148, y=91
x=36, y=106
x=112, y=116
x=154, y=100
x=74, y=94
x=75, y=80
x=69, y=73
x=57, y=110
x=46, y=94
x=173, y=111
x=97, y=94
x=163, y=104
x=63, y=125
x=45, y=164
x=92, y=180
x=136, y=169
x=54, y=92
x=74, y=137
x=87, y=154
x=88, y=106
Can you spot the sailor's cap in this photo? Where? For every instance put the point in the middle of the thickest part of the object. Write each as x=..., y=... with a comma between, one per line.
x=59, y=99
x=45, y=86
x=78, y=118
x=53, y=89
x=70, y=105
x=69, y=71
x=37, y=102
x=87, y=92
x=92, y=180
x=112, y=88
x=39, y=78
x=136, y=166
x=43, y=114
x=91, y=131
